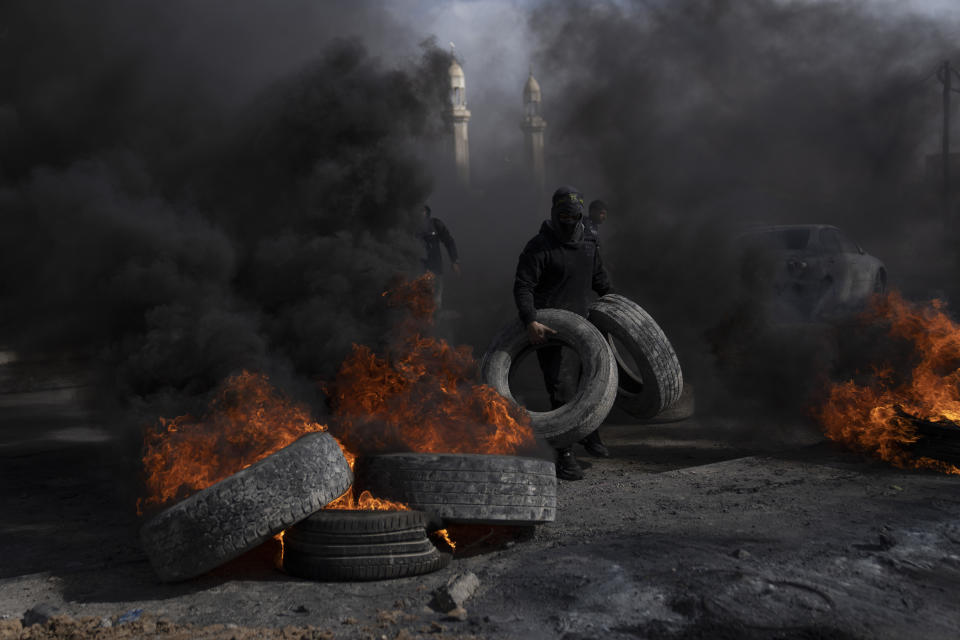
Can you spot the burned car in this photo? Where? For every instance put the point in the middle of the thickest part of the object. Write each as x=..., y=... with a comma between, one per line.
x=808, y=272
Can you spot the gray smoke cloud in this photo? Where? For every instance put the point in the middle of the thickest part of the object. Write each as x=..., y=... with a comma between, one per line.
x=696, y=119
x=190, y=190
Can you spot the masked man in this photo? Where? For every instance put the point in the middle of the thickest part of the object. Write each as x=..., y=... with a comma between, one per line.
x=433, y=233
x=557, y=269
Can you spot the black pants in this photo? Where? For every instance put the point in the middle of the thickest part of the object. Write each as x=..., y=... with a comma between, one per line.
x=551, y=364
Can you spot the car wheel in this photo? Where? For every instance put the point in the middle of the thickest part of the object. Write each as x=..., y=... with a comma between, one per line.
x=880, y=283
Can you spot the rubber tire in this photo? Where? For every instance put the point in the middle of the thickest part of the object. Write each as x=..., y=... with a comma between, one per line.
x=352, y=522
x=938, y=441
x=465, y=488
x=353, y=527
x=383, y=567
x=401, y=535
x=579, y=417
x=359, y=548
x=634, y=328
x=246, y=509
x=683, y=409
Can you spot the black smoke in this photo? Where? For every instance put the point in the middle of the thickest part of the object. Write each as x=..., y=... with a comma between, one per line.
x=695, y=119
x=191, y=190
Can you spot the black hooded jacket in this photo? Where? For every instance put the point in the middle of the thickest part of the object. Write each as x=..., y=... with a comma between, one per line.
x=558, y=275
x=432, y=234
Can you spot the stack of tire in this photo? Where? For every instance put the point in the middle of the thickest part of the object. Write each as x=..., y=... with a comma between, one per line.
x=287, y=491
x=291, y=486
x=606, y=379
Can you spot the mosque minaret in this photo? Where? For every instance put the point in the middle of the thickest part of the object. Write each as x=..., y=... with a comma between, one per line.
x=533, y=125
x=459, y=116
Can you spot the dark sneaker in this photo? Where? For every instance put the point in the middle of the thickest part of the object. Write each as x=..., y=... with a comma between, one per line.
x=567, y=466
x=594, y=446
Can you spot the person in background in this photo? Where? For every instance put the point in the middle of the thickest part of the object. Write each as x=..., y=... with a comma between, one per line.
x=557, y=269
x=433, y=233
x=597, y=215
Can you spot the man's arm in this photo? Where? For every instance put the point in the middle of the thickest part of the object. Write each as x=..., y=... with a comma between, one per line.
x=447, y=239
x=529, y=270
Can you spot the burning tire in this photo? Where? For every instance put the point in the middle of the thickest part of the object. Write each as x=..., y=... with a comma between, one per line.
x=596, y=390
x=246, y=509
x=937, y=441
x=341, y=526
x=465, y=488
x=371, y=567
x=653, y=381
x=361, y=545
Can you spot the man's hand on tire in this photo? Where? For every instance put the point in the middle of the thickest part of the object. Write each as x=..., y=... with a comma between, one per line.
x=538, y=332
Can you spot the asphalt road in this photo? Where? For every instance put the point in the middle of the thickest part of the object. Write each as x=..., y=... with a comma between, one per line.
x=704, y=528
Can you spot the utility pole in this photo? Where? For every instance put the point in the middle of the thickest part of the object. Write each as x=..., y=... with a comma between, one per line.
x=945, y=70
x=945, y=74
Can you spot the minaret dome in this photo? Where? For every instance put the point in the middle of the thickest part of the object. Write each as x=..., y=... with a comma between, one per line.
x=531, y=90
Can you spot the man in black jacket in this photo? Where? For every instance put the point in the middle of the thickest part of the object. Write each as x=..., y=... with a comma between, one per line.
x=557, y=269
x=432, y=233
x=596, y=216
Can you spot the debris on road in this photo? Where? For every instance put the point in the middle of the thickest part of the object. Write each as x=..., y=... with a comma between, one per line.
x=455, y=592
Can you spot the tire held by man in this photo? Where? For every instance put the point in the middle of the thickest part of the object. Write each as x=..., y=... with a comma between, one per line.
x=596, y=390
x=658, y=383
x=246, y=509
x=465, y=488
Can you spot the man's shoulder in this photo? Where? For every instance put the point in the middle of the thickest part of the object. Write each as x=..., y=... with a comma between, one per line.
x=538, y=243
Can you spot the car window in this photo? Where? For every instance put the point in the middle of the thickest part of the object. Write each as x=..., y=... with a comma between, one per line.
x=848, y=245
x=830, y=239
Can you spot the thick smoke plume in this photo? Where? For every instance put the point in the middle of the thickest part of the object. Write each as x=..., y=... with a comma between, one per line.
x=182, y=202
x=189, y=190
x=694, y=119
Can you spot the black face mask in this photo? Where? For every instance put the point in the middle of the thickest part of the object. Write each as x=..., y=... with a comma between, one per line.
x=566, y=213
x=565, y=224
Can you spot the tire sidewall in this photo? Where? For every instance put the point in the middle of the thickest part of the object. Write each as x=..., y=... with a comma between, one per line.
x=595, y=393
x=650, y=349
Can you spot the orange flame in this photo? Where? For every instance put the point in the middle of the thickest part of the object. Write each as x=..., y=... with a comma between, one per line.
x=421, y=396
x=278, y=558
x=445, y=536
x=880, y=417
x=415, y=296
x=365, y=502
x=246, y=421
